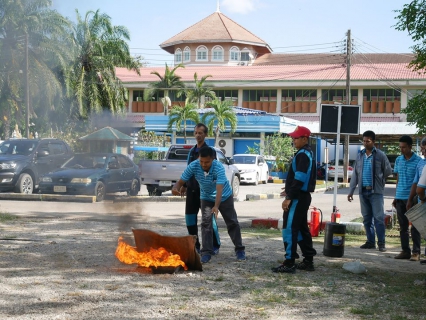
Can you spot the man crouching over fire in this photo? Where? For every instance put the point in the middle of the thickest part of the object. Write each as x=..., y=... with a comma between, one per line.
x=216, y=195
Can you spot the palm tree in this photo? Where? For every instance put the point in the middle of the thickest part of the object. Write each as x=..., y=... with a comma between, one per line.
x=48, y=54
x=99, y=48
x=180, y=115
x=222, y=112
x=200, y=90
x=167, y=81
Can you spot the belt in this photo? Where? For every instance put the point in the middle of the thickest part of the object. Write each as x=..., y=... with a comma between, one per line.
x=368, y=188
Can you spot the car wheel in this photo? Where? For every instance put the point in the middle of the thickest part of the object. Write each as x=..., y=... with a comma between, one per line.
x=256, y=182
x=235, y=186
x=100, y=191
x=266, y=180
x=134, y=188
x=25, y=184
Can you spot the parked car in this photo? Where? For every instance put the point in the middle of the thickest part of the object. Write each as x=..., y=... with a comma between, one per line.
x=160, y=175
x=252, y=167
x=93, y=174
x=332, y=169
x=24, y=161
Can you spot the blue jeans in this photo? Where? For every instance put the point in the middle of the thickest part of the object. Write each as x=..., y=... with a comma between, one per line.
x=372, y=209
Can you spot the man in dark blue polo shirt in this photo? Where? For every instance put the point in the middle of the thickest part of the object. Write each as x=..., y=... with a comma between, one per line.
x=300, y=182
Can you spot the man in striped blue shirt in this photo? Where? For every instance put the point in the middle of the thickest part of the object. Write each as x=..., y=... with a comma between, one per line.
x=405, y=170
x=416, y=180
x=216, y=195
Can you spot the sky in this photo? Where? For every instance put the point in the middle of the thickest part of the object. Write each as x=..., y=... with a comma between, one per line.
x=288, y=26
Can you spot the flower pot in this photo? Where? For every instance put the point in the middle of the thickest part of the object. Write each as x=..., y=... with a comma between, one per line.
x=374, y=106
x=305, y=106
x=134, y=106
x=291, y=107
x=313, y=107
x=272, y=107
x=389, y=106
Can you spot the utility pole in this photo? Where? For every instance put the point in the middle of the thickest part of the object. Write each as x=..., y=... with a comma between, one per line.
x=27, y=91
x=348, y=102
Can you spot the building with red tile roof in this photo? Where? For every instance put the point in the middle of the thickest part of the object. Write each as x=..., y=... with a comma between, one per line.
x=289, y=87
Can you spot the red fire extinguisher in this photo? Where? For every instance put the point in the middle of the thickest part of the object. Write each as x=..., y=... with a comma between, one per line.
x=314, y=226
x=335, y=216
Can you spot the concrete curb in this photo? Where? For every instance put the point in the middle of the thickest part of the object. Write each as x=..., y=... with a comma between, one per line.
x=265, y=196
x=47, y=197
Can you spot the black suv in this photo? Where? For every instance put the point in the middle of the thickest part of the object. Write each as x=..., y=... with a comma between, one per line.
x=24, y=161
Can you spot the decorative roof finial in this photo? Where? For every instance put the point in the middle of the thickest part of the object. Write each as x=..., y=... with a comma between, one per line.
x=218, y=6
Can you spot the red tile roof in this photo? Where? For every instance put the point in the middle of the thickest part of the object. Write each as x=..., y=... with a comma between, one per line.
x=215, y=28
x=314, y=72
x=330, y=58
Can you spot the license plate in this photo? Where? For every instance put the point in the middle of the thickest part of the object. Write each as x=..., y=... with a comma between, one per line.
x=164, y=183
x=59, y=189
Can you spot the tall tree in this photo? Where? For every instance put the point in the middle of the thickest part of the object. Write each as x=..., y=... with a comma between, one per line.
x=216, y=119
x=46, y=31
x=170, y=80
x=199, y=90
x=179, y=116
x=99, y=48
x=412, y=18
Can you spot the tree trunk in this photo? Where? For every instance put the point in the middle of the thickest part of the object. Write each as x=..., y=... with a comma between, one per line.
x=216, y=137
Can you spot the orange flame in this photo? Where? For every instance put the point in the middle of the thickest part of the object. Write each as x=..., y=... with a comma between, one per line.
x=153, y=258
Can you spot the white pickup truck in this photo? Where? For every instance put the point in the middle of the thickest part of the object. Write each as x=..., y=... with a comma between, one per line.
x=160, y=175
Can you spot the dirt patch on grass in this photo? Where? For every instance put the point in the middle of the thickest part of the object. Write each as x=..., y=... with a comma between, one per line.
x=56, y=269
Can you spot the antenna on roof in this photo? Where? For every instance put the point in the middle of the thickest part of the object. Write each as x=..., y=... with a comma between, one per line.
x=218, y=6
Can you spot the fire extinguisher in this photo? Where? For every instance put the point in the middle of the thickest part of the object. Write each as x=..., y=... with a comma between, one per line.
x=315, y=224
x=335, y=216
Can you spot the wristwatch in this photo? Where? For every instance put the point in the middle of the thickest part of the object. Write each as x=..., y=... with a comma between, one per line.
x=287, y=198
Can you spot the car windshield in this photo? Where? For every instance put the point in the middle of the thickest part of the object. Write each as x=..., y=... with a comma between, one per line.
x=24, y=148
x=244, y=160
x=85, y=161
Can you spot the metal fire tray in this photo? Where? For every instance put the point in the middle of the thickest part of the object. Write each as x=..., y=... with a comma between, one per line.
x=183, y=246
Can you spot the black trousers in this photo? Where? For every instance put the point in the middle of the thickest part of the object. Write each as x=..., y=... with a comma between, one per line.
x=296, y=230
x=192, y=206
x=401, y=209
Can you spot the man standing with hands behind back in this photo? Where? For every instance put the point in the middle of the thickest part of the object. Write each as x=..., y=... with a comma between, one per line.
x=372, y=167
x=300, y=182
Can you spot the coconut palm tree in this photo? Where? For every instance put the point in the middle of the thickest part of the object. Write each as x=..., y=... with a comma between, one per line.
x=32, y=25
x=222, y=112
x=179, y=116
x=168, y=81
x=99, y=47
x=200, y=90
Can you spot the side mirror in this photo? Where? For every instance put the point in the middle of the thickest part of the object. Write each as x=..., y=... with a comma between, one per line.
x=43, y=153
x=231, y=161
x=260, y=163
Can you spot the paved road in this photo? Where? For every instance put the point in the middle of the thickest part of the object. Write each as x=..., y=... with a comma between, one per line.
x=138, y=214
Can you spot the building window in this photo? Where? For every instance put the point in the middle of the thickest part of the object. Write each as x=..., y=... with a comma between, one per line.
x=234, y=54
x=178, y=56
x=259, y=95
x=217, y=53
x=381, y=95
x=245, y=55
x=202, y=53
x=187, y=54
x=224, y=95
x=137, y=95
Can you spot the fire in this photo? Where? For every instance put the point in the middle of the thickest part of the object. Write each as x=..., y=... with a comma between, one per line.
x=153, y=258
